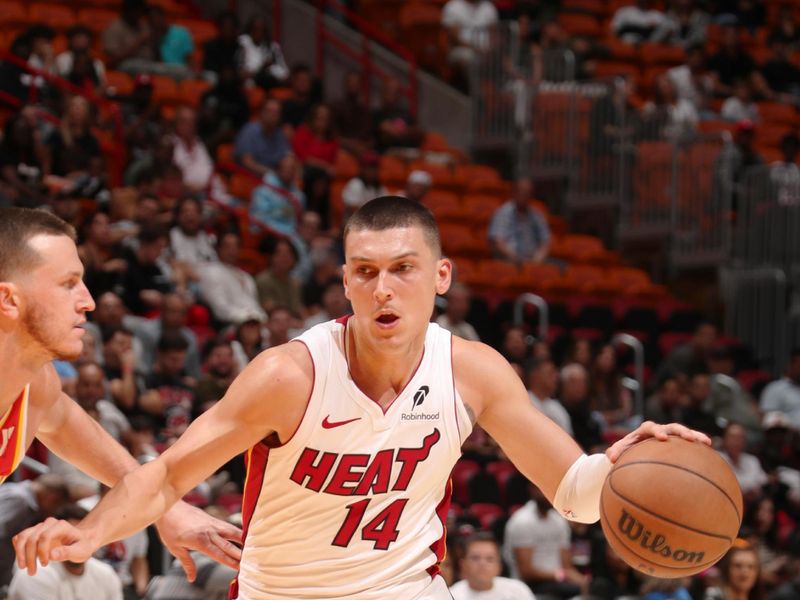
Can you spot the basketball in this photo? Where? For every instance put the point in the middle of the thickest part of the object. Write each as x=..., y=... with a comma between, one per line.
x=671, y=508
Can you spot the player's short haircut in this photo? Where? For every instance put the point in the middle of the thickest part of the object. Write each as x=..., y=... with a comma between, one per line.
x=17, y=227
x=389, y=212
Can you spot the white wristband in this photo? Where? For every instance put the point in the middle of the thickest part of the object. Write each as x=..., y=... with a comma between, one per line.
x=578, y=495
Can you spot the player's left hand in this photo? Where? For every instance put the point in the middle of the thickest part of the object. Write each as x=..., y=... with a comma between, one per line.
x=649, y=429
x=186, y=528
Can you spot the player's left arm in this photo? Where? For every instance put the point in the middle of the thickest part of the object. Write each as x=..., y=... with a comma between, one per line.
x=68, y=431
x=540, y=449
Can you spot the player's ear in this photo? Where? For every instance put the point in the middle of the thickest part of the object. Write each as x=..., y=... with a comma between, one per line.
x=10, y=300
x=444, y=275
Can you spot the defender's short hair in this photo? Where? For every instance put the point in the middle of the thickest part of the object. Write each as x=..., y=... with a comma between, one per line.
x=389, y=212
x=17, y=227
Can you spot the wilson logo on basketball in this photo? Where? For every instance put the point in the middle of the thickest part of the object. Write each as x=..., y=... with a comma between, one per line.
x=654, y=542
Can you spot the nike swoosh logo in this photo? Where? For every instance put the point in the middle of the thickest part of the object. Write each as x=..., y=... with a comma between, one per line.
x=331, y=424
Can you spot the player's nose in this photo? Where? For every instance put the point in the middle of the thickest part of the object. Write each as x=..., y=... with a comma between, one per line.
x=383, y=291
x=86, y=302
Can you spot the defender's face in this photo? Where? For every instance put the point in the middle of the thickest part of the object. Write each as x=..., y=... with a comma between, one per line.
x=55, y=298
x=391, y=278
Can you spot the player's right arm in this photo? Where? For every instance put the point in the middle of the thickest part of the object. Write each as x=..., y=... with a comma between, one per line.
x=268, y=397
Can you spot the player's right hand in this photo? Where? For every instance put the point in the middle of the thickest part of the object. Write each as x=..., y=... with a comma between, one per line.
x=52, y=540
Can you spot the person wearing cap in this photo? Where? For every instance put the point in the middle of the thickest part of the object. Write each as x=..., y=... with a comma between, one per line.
x=417, y=185
x=518, y=232
x=783, y=396
x=363, y=187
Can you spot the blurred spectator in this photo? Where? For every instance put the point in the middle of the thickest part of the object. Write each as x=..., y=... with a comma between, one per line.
x=692, y=82
x=790, y=590
x=786, y=29
x=781, y=75
x=22, y=505
x=143, y=173
x=761, y=521
x=612, y=577
x=222, y=51
x=229, y=291
x=580, y=351
x=334, y=305
x=326, y=268
x=654, y=588
x=515, y=346
x=395, y=126
x=168, y=395
x=128, y=42
x=147, y=277
x=223, y=109
x=42, y=56
x=279, y=326
x=480, y=570
x=355, y=132
x=542, y=387
x=517, y=231
x=73, y=152
x=101, y=255
x=297, y=107
x=638, y=23
x=22, y=157
x=190, y=153
x=363, y=187
x=784, y=175
x=733, y=161
x=188, y=241
x=729, y=401
x=260, y=57
x=418, y=185
x=141, y=116
x=697, y=412
x=609, y=397
x=119, y=367
x=248, y=341
x=740, y=106
x=108, y=314
x=68, y=580
x=685, y=24
x=79, y=44
x=316, y=146
x=261, y=144
x=537, y=549
x=90, y=393
x=277, y=203
x=692, y=356
x=748, y=469
x=466, y=23
x=740, y=575
x=574, y=396
x=174, y=44
x=749, y=13
x=668, y=116
x=212, y=582
x=732, y=63
x=171, y=319
x=459, y=299
x=276, y=285
x=783, y=396
x=219, y=368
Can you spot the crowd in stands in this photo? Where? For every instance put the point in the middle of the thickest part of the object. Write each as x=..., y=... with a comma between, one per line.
x=194, y=278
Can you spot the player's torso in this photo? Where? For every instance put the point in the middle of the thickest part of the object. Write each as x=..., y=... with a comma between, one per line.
x=13, y=434
x=353, y=505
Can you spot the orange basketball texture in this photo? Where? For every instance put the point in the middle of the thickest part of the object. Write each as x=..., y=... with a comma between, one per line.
x=671, y=508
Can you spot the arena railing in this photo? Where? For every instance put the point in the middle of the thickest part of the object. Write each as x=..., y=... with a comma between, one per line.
x=103, y=105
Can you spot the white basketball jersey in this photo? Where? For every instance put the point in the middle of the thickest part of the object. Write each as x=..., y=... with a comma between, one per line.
x=354, y=504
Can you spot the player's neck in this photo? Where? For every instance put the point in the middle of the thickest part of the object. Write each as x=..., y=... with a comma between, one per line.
x=19, y=368
x=379, y=373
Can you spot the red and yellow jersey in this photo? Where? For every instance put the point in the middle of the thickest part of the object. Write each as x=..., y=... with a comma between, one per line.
x=12, y=434
x=354, y=504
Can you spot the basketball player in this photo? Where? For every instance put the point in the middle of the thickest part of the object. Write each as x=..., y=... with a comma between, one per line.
x=351, y=432
x=43, y=303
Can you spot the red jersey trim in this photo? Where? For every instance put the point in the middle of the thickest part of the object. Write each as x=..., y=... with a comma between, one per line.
x=439, y=547
x=12, y=434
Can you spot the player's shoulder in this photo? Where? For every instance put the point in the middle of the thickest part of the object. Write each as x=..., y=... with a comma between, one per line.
x=287, y=369
x=477, y=365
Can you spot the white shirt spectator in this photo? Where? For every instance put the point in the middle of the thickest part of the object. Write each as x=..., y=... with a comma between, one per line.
x=112, y=419
x=503, y=588
x=54, y=582
x=254, y=57
x=470, y=18
x=633, y=24
x=463, y=329
x=230, y=292
x=734, y=110
x=65, y=60
x=785, y=177
x=194, y=162
x=192, y=249
x=547, y=535
x=554, y=410
x=357, y=193
x=748, y=471
x=783, y=396
x=687, y=88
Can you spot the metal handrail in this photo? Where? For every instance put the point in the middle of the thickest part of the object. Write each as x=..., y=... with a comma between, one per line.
x=634, y=344
x=538, y=302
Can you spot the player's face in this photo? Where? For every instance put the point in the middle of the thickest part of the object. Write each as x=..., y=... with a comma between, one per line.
x=55, y=298
x=391, y=278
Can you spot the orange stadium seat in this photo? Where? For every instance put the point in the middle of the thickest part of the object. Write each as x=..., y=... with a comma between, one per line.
x=121, y=83
x=201, y=30
x=434, y=142
x=480, y=207
x=443, y=176
x=778, y=112
x=241, y=186
x=255, y=97
x=466, y=269
x=597, y=8
x=225, y=153
x=613, y=68
x=580, y=25
x=173, y=8
x=337, y=202
x=621, y=51
x=463, y=240
x=57, y=16
x=498, y=274
x=192, y=90
x=13, y=13
x=661, y=54
x=347, y=166
x=474, y=172
x=392, y=171
x=96, y=19
x=382, y=13
x=445, y=206
x=422, y=33
x=165, y=90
